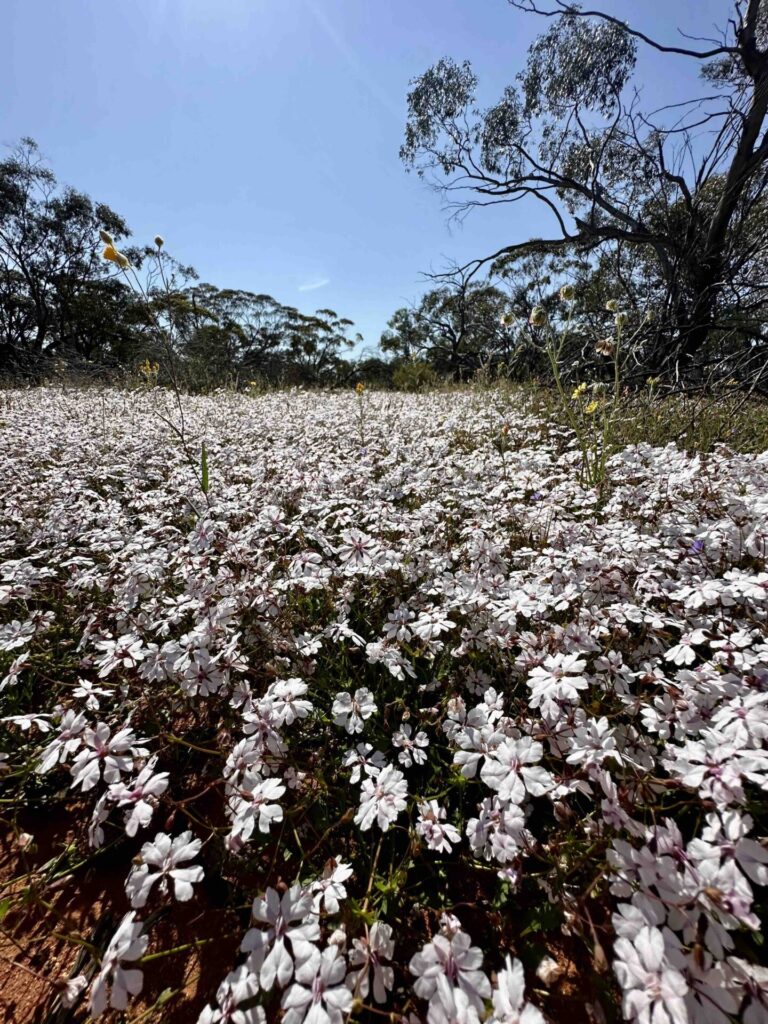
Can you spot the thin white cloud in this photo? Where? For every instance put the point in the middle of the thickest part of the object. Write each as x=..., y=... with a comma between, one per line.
x=312, y=286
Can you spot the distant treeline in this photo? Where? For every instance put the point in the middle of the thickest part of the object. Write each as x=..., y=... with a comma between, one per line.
x=66, y=310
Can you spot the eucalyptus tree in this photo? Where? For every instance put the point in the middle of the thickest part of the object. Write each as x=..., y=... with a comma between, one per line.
x=458, y=328
x=679, y=193
x=55, y=296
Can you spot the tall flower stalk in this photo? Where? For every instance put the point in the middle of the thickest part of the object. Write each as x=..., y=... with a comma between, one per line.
x=592, y=423
x=198, y=465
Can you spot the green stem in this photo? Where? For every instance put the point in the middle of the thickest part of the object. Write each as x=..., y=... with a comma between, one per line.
x=178, y=949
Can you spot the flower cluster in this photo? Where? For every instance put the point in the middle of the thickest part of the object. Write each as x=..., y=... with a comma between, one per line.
x=444, y=724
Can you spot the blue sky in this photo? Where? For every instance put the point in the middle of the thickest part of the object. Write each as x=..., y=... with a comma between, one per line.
x=261, y=137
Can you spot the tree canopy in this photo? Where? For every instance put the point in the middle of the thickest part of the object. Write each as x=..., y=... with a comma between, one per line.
x=677, y=195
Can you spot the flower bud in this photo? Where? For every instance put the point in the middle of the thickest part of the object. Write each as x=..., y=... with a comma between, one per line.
x=620, y=319
x=359, y=387
x=110, y=253
x=612, y=305
x=106, y=238
x=605, y=346
x=122, y=261
x=538, y=316
x=159, y=241
x=568, y=293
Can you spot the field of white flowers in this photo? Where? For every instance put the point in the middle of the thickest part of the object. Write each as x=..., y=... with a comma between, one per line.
x=398, y=719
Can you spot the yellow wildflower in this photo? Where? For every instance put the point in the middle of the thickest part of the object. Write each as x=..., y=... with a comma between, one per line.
x=114, y=256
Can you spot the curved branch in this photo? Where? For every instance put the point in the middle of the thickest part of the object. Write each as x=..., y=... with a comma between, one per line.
x=567, y=9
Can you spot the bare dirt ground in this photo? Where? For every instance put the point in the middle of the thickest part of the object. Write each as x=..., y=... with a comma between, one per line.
x=44, y=922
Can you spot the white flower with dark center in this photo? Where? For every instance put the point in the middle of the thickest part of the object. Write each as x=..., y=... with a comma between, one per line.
x=412, y=748
x=328, y=890
x=140, y=796
x=499, y=832
x=69, y=739
x=350, y=711
x=114, y=983
x=90, y=693
x=318, y=994
x=239, y=986
x=286, y=698
x=364, y=759
x=432, y=826
x=652, y=989
x=683, y=653
x=160, y=861
x=104, y=752
x=367, y=955
x=592, y=743
x=512, y=770
x=509, y=1005
x=292, y=927
x=430, y=624
x=458, y=960
x=382, y=798
x=357, y=549
x=560, y=678
x=254, y=802
x=125, y=652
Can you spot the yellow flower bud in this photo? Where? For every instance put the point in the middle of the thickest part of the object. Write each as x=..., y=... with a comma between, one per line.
x=110, y=253
x=579, y=391
x=106, y=238
x=359, y=387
